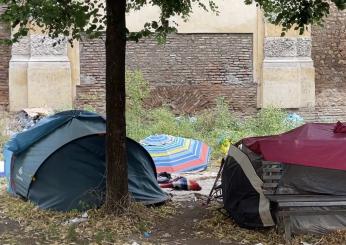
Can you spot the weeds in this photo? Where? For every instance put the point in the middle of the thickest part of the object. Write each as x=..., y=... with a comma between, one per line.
x=3, y=134
x=216, y=127
x=102, y=227
x=213, y=126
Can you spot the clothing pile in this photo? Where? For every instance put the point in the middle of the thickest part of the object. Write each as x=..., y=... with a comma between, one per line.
x=179, y=183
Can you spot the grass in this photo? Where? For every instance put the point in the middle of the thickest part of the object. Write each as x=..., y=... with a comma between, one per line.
x=3, y=134
x=215, y=126
x=218, y=226
x=30, y=225
x=48, y=227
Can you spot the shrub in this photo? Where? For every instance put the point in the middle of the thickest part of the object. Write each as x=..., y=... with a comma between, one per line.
x=213, y=126
x=268, y=121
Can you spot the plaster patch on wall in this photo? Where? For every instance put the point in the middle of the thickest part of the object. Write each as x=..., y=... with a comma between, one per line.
x=232, y=79
x=87, y=79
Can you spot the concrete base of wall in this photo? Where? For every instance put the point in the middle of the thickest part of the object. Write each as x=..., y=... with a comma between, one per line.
x=288, y=83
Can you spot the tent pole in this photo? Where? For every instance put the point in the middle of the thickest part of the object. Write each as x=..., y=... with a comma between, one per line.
x=215, y=182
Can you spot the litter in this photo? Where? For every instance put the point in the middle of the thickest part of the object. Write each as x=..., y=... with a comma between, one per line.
x=75, y=221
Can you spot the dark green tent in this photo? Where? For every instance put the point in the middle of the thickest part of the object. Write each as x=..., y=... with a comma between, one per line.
x=60, y=164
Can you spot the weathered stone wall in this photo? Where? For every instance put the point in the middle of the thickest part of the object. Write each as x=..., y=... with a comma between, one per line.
x=91, y=97
x=5, y=54
x=92, y=61
x=186, y=99
x=182, y=71
x=183, y=59
x=194, y=58
x=188, y=72
x=287, y=73
x=329, y=55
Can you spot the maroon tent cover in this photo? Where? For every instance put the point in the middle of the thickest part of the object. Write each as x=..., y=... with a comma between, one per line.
x=313, y=144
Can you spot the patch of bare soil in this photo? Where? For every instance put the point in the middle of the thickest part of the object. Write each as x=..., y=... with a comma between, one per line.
x=183, y=227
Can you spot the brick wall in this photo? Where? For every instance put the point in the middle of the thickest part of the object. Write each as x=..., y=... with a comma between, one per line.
x=91, y=97
x=188, y=72
x=182, y=99
x=182, y=71
x=329, y=55
x=5, y=55
x=194, y=58
x=92, y=61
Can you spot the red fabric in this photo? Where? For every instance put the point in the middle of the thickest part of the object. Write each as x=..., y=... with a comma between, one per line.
x=313, y=144
x=340, y=128
x=182, y=183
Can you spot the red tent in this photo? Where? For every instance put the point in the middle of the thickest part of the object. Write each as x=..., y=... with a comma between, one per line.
x=313, y=144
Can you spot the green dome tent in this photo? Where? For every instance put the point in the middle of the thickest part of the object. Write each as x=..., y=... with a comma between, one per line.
x=59, y=164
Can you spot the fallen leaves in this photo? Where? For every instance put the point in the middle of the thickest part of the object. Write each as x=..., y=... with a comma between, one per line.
x=48, y=227
x=23, y=223
x=226, y=230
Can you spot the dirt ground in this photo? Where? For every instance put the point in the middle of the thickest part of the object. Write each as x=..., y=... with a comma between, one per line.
x=184, y=220
x=182, y=228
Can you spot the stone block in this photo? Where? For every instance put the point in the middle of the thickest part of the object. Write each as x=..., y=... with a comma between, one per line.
x=49, y=85
x=18, y=86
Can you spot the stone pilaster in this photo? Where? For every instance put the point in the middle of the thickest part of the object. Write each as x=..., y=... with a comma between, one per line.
x=18, y=79
x=49, y=73
x=288, y=73
x=40, y=74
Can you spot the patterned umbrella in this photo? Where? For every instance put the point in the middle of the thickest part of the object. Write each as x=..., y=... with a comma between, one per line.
x=176, y=154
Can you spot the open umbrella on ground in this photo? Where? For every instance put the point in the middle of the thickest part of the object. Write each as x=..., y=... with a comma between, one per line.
x=176, y=154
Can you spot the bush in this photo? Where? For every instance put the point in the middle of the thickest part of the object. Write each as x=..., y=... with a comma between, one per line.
x=269, y=121
x=213, y=126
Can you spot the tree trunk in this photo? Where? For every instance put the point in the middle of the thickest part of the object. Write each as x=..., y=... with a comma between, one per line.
x=117, y=180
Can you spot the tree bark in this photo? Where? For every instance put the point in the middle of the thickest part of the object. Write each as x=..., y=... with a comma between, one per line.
x=117, y=179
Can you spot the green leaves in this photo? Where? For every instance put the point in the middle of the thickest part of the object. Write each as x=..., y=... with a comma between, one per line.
x=169, y=8
x=70, y=18
x=341, y=4
x=300, y=13
x=74, y=18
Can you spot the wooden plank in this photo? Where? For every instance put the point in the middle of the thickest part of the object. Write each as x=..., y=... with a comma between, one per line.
x=311, y=204
x=270, y=163
x=272, y=170
x=270, y=185
x=305, y=198
x=300, y=212
x=271, y=177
